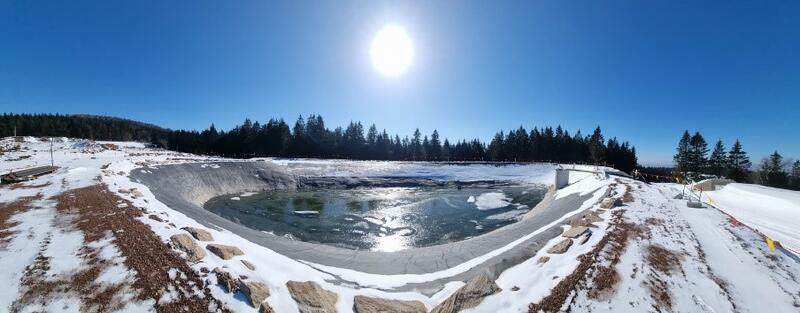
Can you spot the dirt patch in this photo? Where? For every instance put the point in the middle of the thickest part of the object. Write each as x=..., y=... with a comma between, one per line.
x=9, y=209
x=151, y=259
x=653, y=221
x=627, y=197
x=604, y=278
x=662, y=259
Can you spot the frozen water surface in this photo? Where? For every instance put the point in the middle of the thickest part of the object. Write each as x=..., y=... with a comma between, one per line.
x=381, y=218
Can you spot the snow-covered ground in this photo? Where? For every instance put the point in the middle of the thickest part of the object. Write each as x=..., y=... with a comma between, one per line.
x=709, y=265
x=772, y=211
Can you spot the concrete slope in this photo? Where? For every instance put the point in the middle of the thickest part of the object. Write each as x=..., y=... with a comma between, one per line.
x=185, y=187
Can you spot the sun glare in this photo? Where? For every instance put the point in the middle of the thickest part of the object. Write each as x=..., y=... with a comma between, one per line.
x=391, y=51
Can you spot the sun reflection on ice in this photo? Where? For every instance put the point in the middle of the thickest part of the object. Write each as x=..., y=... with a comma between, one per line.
x=391, y=243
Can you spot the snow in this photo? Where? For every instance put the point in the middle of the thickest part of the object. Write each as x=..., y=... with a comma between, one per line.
x=63, y=251
x=536, y=173
x=743, y=273
x=756, y=280
x=492, y=200
x=772, y=211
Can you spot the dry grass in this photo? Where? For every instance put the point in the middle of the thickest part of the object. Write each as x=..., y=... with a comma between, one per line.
x=603, y=278
x=143, y=250
x=7, y=210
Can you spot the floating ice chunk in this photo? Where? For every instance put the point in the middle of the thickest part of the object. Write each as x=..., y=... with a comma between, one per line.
x=492, y=200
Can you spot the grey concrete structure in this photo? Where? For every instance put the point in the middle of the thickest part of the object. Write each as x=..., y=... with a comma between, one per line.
x=712, y=184
x=27, y=174
x=562, y=178
x=186, y=187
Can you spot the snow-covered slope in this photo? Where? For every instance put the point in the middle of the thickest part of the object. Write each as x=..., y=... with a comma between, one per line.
x=651, y=253
x=772, y=211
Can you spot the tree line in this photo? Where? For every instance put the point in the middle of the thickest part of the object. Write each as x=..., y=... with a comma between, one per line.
x=310, y=137
x=693, y=160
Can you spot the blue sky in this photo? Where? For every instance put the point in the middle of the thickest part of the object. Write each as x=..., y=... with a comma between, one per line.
x=642, y=70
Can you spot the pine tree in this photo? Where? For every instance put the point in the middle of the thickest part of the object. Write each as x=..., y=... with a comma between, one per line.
x=772, y=173
x=698, y=149
x=794, y=176
x=718, y=162
x=435, y=152
x=596, y=147
x=738, y=163
x=416, y=146
x=681, y=158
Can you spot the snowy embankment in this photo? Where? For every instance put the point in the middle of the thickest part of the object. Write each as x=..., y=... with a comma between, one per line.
x=772, y=211
x=37, y=233
x=650, y=253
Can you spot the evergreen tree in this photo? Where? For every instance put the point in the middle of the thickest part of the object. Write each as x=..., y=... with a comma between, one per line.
x=718, y=162
x=738, y=163
x=794, y=176
x=596, y=148
x=698, y=150
x=416, y=146
x=772, y=173
x=435, y=151
x=308, y=137
x=681, y=158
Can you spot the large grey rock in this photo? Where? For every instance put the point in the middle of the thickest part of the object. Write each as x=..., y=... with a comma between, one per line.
x=543, y=259
x=255, y=291
x=186, y=244
x=199, y=234
x=468, y=296
x=364, y=304
x=561, y=247
x=609, y=203
x=311, y=298
x=223, y=251
x=574, y=231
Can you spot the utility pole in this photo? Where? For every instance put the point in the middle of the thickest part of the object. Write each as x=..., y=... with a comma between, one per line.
x=52, y=163
x=15, y=131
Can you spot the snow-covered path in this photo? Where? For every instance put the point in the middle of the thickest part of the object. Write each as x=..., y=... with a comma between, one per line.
x=774, y=212
x=662, y=256
x=752, y=285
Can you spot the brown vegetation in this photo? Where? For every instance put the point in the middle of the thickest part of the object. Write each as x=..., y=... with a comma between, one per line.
x=604, y=278
x=7, y=210
x=94, y=211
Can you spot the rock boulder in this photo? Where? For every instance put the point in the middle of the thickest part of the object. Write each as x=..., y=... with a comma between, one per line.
x=186, y=244
x=311, y=298
x=574, y=231
x=364, y=304
x=223, y=251
x=256, y=292
x=561, y=247
x=468, y=296
x=199, y=234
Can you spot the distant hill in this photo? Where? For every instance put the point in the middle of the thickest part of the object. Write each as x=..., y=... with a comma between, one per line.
x=81, y=126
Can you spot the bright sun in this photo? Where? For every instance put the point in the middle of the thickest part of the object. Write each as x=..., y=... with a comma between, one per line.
x=391, y=51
